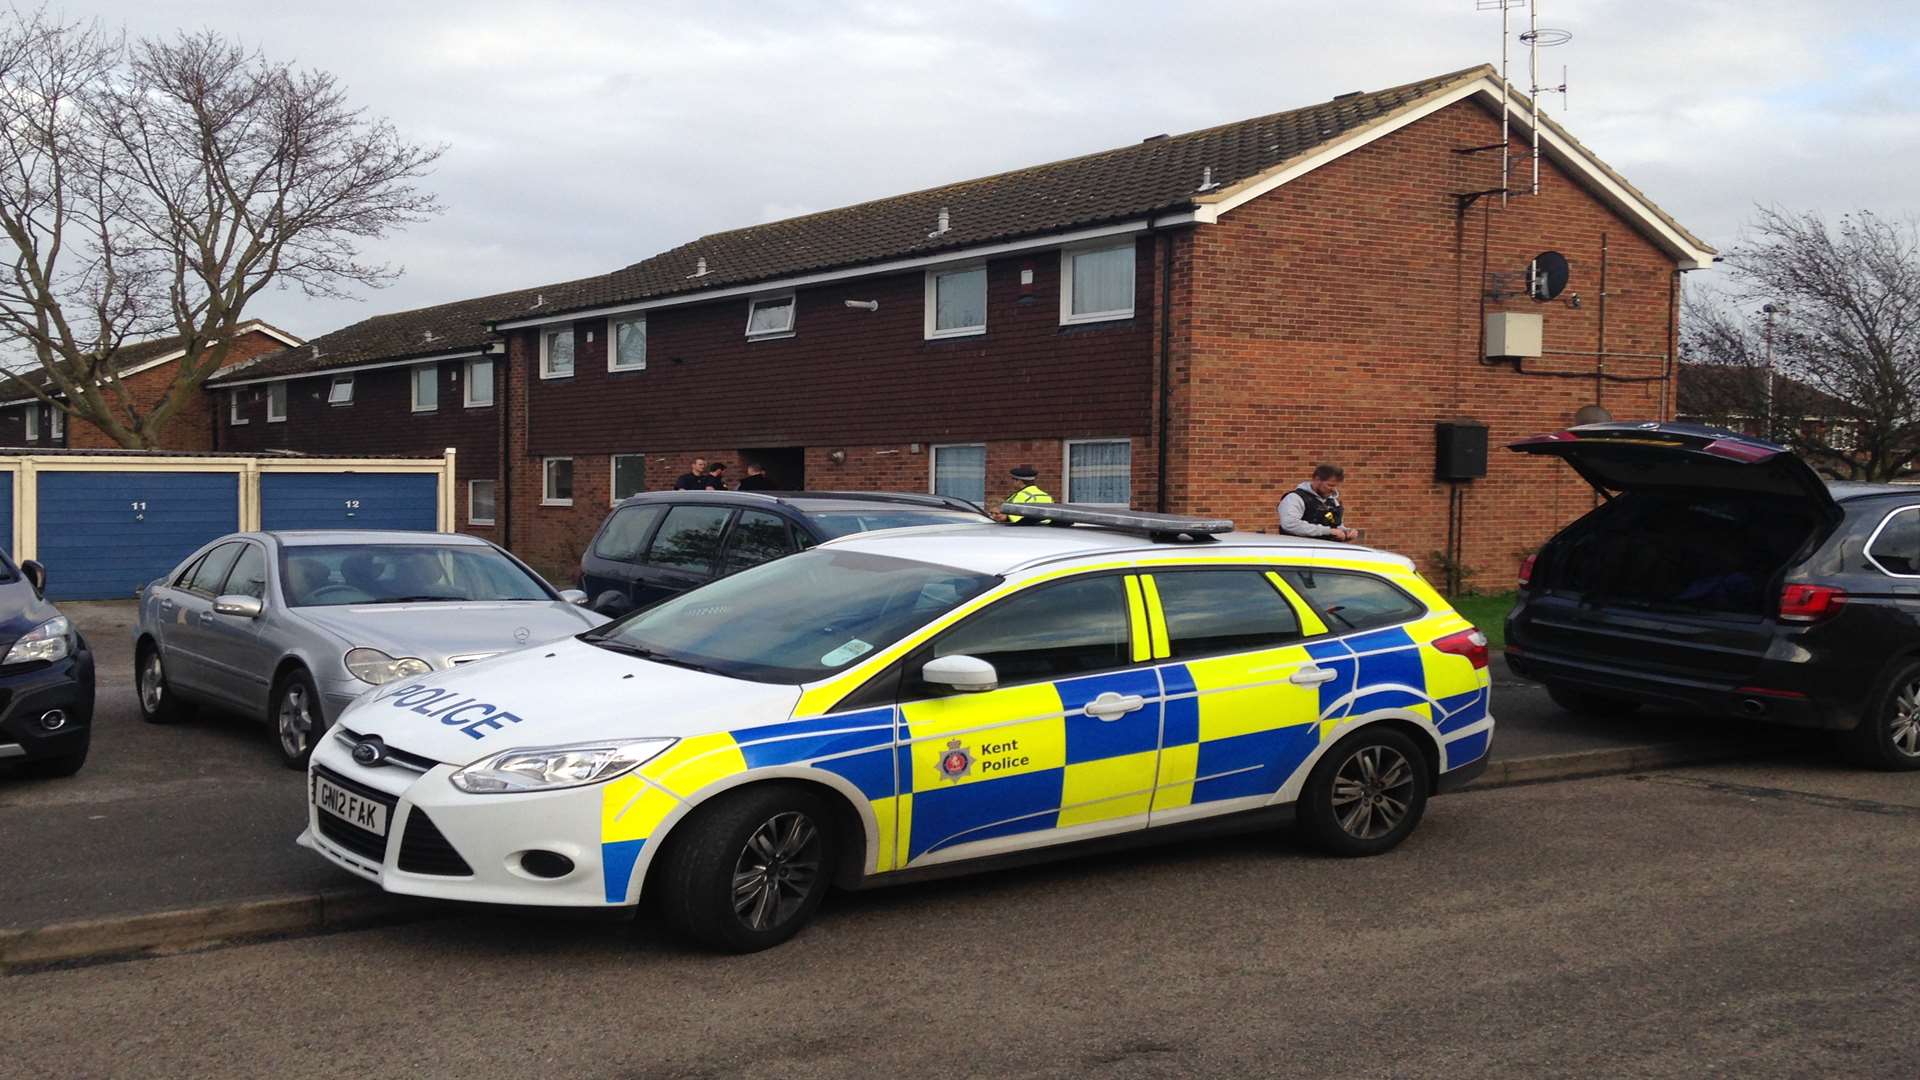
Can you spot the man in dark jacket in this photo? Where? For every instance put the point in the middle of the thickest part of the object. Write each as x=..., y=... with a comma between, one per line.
x=1313, y=508
x=756, y=478
x=694, y=478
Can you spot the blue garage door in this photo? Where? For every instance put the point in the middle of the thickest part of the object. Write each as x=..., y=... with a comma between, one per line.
x=103, y=535
x=6, y=512
x=350, y=501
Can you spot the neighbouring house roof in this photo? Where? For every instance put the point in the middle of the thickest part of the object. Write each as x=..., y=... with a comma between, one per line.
x=443, y=329
x=1204, y=173
x=140, y=356
x=1709, y=391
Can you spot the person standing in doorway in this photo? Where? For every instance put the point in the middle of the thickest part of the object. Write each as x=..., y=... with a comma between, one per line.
x=756, y=478
x=1313, y=508
x=694, y=478
x=1030, y=492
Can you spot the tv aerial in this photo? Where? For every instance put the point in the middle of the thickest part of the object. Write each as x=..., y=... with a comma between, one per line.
x=1535, y=37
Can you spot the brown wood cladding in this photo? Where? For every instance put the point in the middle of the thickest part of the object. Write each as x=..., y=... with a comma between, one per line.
x=854, y=376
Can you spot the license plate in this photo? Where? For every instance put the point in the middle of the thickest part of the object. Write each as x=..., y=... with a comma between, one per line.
x=349, y=806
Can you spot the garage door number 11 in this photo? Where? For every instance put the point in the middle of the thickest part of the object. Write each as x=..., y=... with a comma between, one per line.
x=139, y=509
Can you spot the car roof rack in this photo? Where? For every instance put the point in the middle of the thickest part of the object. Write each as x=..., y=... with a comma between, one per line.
x=1167, y=528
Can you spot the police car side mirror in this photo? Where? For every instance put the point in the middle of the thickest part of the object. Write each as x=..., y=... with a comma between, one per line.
x=968, y=674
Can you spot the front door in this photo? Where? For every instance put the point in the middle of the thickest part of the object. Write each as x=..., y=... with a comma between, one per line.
x=1063, y=748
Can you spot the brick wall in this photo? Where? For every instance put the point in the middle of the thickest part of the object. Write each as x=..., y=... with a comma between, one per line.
x=380, y=421
x=1338, y=317
x=191, y=427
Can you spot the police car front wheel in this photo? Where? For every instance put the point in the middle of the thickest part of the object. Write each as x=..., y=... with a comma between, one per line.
x=747, y=871
x=1366, y=795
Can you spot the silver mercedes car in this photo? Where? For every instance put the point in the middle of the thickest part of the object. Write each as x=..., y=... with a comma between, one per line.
x=292, y=626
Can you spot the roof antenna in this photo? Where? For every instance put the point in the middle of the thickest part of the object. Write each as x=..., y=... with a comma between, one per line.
x=1535, y=38
x=946, y=223
x=699, y=268
x=539, y=299
x=1206, y=179
x=429, y=335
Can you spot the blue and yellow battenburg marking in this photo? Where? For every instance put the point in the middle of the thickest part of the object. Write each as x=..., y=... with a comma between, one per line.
x=949, y=771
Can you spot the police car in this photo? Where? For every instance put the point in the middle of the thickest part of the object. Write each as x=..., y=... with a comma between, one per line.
x=892, y=705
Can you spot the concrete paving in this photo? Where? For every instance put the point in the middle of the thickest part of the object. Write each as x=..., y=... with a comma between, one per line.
x=1751, y=920
x=202, y=812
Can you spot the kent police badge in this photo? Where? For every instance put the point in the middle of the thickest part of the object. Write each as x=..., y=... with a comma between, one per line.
x=956, y=762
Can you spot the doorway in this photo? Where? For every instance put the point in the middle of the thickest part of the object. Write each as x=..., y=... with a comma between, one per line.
x=786, y=466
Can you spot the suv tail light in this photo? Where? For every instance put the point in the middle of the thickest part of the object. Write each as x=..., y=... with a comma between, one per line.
x=1471, y=644
x=1526, y=571
x=1810, y=603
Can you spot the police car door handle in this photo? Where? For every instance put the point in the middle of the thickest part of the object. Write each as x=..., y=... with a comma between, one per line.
x=1112, y=706
x=1313, y=676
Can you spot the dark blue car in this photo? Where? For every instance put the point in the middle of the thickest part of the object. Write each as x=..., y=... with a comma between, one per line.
x=46, y=678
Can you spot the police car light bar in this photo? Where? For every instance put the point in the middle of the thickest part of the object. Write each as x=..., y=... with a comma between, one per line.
x=1153, y=526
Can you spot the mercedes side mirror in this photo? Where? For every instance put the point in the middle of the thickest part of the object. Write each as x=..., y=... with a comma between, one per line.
x=968, y=674
x=574, y=596
x=244, y=607
x=36, y=576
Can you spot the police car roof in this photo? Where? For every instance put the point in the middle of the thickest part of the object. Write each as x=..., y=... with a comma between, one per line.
x=1002, y=549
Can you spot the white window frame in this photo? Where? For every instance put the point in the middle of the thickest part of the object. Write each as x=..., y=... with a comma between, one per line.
x=471, y=520
x=413, y=387
x=547, y=334
x=1066, y=467
x=613, y=471
x=1067, y=255
x=56, y=422
x=546, y=478
x=933, y=296
x=466, y=389
x=933, y=466
x=234, y=419
x=281, y=416
x=334, y=385
x=793, y=315
x=613, y=343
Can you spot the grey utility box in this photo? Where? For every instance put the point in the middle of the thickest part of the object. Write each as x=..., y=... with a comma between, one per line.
x=1512, y=334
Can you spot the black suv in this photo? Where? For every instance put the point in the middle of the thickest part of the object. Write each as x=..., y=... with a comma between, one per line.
x=660, y=543
x=1722, y=575
x=46, y=678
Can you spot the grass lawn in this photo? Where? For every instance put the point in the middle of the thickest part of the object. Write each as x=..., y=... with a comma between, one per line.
x=1488, y=611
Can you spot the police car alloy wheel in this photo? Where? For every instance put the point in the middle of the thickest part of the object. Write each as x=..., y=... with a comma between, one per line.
x=296, y=718
x=751, y=871
x=1366, y=795
x=158, y=705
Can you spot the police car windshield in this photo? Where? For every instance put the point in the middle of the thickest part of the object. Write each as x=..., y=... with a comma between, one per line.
x=794, y=620
x=847, y=522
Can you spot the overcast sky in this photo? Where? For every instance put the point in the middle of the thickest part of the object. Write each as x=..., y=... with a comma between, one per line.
x=585, y=136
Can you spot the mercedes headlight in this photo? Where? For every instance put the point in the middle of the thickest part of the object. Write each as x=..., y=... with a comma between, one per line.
x=47, y=642
x=376, y=667
x=543, y=768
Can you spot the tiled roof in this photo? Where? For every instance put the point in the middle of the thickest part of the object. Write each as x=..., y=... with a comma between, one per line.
x=401, y=335
x=1159, y=174
x=129, y=356
x=1713, y=391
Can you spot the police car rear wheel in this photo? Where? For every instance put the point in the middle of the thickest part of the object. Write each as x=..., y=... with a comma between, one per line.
x=1366, y=795
x=748, y=871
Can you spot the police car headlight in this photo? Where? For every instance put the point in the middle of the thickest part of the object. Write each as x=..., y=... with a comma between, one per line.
x=46, y=642
x=376, y=667
x=543, y=768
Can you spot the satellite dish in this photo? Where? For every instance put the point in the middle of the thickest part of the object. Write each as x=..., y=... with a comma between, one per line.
x=1547, y=275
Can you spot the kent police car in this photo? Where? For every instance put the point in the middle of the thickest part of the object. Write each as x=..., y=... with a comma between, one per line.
x=892, y=705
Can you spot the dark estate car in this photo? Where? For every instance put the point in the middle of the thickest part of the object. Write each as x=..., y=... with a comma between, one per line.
x=1721, y=574
x=46, y=678
x=660, y=543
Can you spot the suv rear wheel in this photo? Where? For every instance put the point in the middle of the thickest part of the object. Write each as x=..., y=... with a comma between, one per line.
x=1889, y=734
x=1588, y=703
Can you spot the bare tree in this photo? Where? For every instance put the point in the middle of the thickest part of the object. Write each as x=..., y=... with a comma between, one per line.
x=156, y=187
x=1816, y=313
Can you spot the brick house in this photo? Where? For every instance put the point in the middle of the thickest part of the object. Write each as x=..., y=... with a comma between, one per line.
x=407, y=384
x=146, y=370
x=1188, y=323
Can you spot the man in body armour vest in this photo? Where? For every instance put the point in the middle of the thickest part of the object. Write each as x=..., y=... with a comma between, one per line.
x=1313, y=508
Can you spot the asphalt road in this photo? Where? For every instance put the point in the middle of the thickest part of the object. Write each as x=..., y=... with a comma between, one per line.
x=1750, y=920
x=203, y=812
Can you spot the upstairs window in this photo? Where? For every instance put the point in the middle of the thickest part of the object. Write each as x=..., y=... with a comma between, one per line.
x=479, y=390
x=770, y=316
x=956, y=302
x=556, y=353
x=277, y=403
x=33, y=423
x=234, y=419
x=56, y=423
x=341, y=392
x=627, y=344
x=426, y=388
x=1096, y=284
